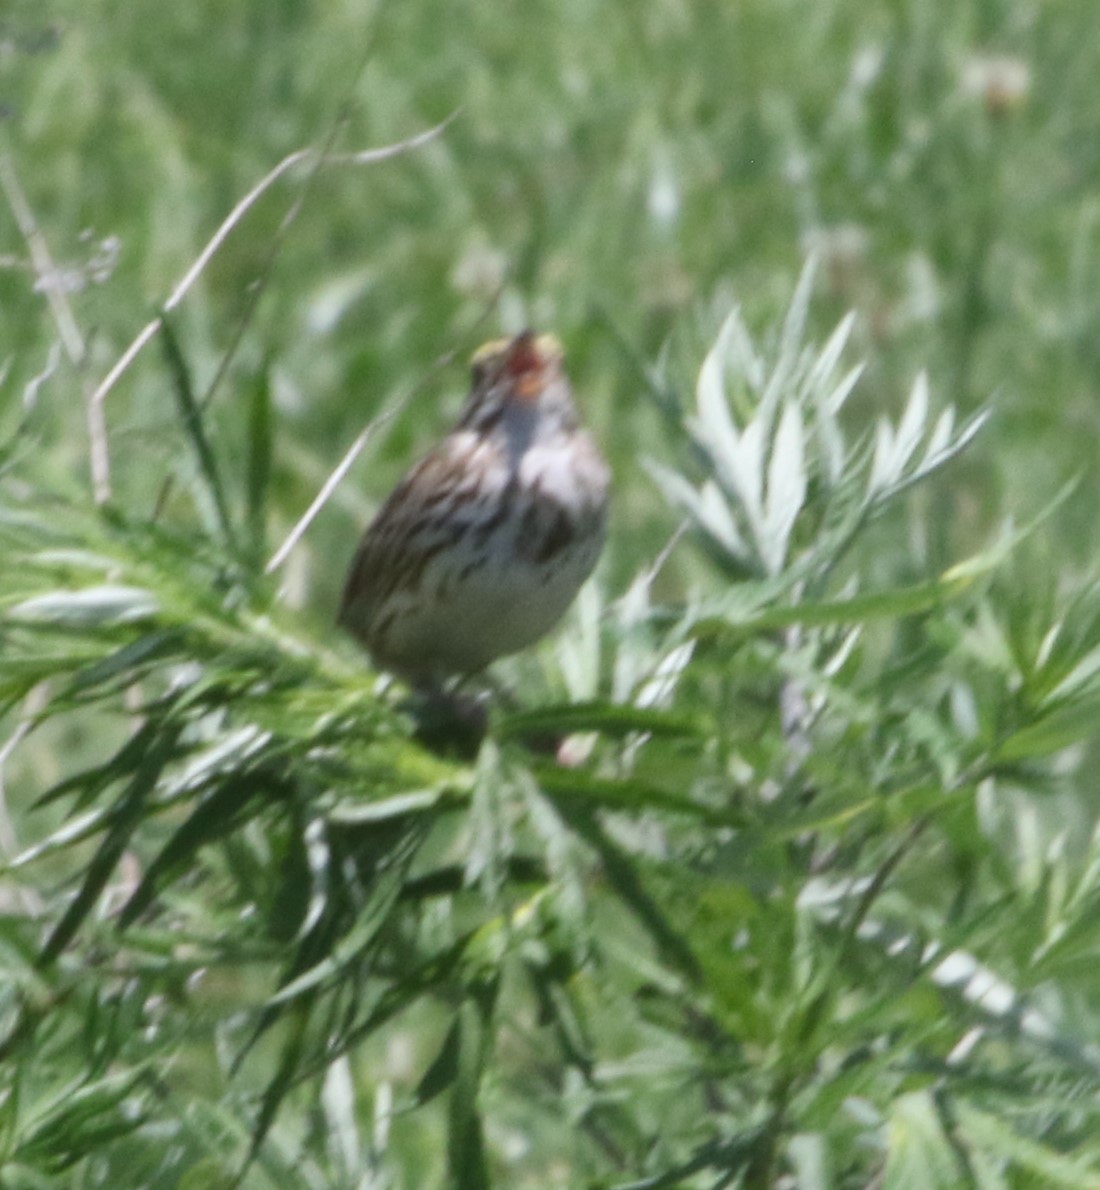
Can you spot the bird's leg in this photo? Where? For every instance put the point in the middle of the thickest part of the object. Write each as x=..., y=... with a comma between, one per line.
x=448, y=720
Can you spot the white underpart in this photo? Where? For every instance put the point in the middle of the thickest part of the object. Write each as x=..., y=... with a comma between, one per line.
x=509, y=602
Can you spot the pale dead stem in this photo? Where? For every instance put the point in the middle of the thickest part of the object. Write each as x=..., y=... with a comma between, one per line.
x=327, y=488
x=31, y=388
x=353, y=452
x=72, y=341
x=61, y=309
x=367, y=157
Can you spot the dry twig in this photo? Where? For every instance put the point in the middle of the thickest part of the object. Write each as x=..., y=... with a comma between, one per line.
x=366, y=157
x=49, y=281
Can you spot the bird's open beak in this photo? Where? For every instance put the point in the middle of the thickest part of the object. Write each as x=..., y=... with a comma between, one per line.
x=528, y=358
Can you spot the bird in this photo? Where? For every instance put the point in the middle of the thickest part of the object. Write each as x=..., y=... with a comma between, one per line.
x=481, y=547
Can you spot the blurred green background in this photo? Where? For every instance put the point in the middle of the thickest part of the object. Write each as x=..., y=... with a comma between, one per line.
x=615, y=172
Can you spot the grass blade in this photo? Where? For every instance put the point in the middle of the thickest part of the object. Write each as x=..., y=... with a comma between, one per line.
x=191, y=417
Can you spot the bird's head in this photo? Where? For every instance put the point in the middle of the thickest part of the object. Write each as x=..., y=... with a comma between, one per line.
x=521, y=373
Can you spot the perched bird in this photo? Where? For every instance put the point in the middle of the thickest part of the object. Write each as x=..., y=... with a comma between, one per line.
x=483, y=545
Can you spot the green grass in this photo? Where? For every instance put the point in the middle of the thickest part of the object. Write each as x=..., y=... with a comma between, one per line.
x=814, y=898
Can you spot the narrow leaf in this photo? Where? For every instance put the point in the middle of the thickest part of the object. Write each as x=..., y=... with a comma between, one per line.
x=883, y=469
x=465, y=1144
x=443, y=1069
x=829, y=356
x=91, y=607
x=575, y=788
x=835, y=400
x=1048, y=1166
x=918, y=1152
x=124, y=661
x=259, y=461
x=786, y=488
x=191, y=416
x=610, y=718
x=126, y=816
x=913, y=422
x=714, y=427
x=212, y=819
x=357, y=813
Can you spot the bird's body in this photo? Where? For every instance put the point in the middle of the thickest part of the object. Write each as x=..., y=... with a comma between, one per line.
x=484, y=544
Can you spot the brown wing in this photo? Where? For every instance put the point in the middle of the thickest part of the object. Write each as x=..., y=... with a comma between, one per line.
x=407, y=532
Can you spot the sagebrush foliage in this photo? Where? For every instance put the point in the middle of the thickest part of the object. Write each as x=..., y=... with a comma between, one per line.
x=780, y=867
x=785, y=903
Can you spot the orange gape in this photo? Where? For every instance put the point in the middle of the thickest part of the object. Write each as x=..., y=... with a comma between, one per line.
x=525, y=364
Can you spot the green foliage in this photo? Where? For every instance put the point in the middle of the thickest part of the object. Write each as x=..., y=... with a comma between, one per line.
x=783, y=868
x=757, y=897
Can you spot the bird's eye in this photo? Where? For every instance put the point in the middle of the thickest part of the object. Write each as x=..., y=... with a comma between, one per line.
x=485, y=370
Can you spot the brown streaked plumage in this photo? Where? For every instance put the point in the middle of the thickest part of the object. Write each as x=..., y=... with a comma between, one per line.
x=483, y=545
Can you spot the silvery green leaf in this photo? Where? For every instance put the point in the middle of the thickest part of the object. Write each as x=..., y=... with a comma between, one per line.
x=829, y=433
x=675, y=489
x=779, y=384
x=631, y=610
x=717, y=518
x=829, y=356
x=356, y=813
x=843, y=651
x=230, y=751
x=832, y=449
x=657, y=690
x=883, y=473
x=940, y=436
x=742, y=356
x=790, y=352
x=76, y=828
x=718, y=432
x=934, y=458
x=743, y=476
x=633, y=606
x=707, y=508
x=1080, y=676
x=894, y=450
x=913, y=421
x=834, y=402
x=918, y=1151
x=88, y=608
x=786, y=488
x=77, y=559
x=794, y=325
x=332, y=300
x=338, y=1103
x=970, y=431
x=578, y=650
